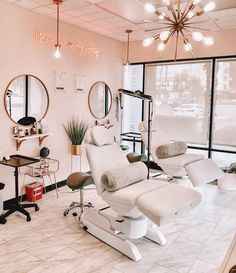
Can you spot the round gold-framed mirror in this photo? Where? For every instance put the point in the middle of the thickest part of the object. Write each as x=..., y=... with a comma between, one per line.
x=26, y=99
x=100, y=100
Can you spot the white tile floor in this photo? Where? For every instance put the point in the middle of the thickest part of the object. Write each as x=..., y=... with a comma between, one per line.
x=51, y=243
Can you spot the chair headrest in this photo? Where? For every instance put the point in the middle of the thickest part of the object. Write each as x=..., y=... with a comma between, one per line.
x=101, y=136
x=143, y=127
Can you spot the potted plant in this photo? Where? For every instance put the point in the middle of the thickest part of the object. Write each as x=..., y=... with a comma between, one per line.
x=76, y=130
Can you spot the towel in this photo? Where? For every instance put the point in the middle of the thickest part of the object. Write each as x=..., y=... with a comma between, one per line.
x=121, y=177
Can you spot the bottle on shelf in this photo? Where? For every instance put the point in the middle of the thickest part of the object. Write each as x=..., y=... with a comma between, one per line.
x=39, y=128
x=21, y=133
x=15, y=131
x=33, y=130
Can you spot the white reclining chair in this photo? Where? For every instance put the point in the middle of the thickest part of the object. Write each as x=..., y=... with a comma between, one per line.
x=129, y=208
x=199, y=170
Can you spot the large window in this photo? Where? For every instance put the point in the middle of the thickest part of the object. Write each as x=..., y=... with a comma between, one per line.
x=132, y=108
x=224, y=118
x=181, y=93
x=132, y=114
x=194, y=101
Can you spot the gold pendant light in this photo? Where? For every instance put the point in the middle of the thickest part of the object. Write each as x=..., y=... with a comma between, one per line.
x=179, y=24
x=57, y=52
x=127, y=64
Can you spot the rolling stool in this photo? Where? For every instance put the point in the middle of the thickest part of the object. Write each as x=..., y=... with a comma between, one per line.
x=77, y=181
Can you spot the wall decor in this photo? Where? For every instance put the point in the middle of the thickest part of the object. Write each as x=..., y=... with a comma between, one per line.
x=60, y=81
x=80, y=47
x=79, y=82
x=100, y=100
x=26, y=99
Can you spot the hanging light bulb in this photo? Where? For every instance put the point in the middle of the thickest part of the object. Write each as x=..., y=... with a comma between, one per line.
x=188, y=46
x=195, y=2
x=162, y=16
x=167, y=2
x=210, y=6
x=127, y=64
x=197, y=36
x=164, y=35
x=190, y=14
x=127, y=67
x=148, y=41
x=209, y=41
x=161, y=46
x=57, y=52
x=149, y=8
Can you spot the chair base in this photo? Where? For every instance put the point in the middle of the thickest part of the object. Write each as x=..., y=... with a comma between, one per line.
x=155, y=235
x=20, y=208
x=74, y=205
x=102, y=227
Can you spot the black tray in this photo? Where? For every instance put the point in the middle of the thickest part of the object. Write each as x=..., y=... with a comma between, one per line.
x=19, y=161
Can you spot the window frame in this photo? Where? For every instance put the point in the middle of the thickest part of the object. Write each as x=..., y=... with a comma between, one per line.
x=209, y=148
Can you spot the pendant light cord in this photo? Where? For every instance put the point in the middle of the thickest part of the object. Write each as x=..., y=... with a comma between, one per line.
x=58, y=22
x=128, y=31
x=127, y=59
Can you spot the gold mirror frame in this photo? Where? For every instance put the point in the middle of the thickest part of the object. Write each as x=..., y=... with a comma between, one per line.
x=89, y=96
x=5, y=95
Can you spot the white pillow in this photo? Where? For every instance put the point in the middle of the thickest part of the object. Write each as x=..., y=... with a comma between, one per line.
x=124, y=176
x=171, y=149
x=102, y=136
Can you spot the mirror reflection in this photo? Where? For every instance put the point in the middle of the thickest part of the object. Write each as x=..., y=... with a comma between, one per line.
x=100, y=100
x=26, y=99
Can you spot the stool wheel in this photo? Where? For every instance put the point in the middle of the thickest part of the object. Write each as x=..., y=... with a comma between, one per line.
x=72, y=204
x=65, y=213
x=28, y=219
x=37, y=208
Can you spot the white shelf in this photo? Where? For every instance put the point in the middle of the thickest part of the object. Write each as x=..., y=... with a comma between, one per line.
x=19, y=140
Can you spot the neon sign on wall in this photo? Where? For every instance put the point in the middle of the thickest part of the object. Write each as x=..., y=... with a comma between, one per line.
x=79, y=47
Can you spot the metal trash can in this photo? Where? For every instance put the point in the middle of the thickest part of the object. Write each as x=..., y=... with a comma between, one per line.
x=2, y=220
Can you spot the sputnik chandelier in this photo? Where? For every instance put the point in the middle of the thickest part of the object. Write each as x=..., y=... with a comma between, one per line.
x=179, y=25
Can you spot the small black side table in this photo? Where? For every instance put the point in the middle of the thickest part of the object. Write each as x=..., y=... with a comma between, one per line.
x=17, y=161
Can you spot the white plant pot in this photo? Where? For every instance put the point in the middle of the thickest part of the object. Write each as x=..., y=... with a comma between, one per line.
x=228, y=182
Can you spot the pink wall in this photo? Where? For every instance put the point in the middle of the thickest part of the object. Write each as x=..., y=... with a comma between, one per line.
x=20, y=54
x=225, y=44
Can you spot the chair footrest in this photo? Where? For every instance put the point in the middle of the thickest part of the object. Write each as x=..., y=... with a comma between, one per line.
x=203, y=171
x=162, y=203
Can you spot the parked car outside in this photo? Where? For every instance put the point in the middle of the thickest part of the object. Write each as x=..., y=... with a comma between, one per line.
x=190, y=109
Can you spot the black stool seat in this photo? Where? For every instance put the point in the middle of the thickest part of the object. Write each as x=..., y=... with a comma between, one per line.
x=78, y=180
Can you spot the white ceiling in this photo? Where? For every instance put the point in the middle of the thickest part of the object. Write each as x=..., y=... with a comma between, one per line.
x=112, y=17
